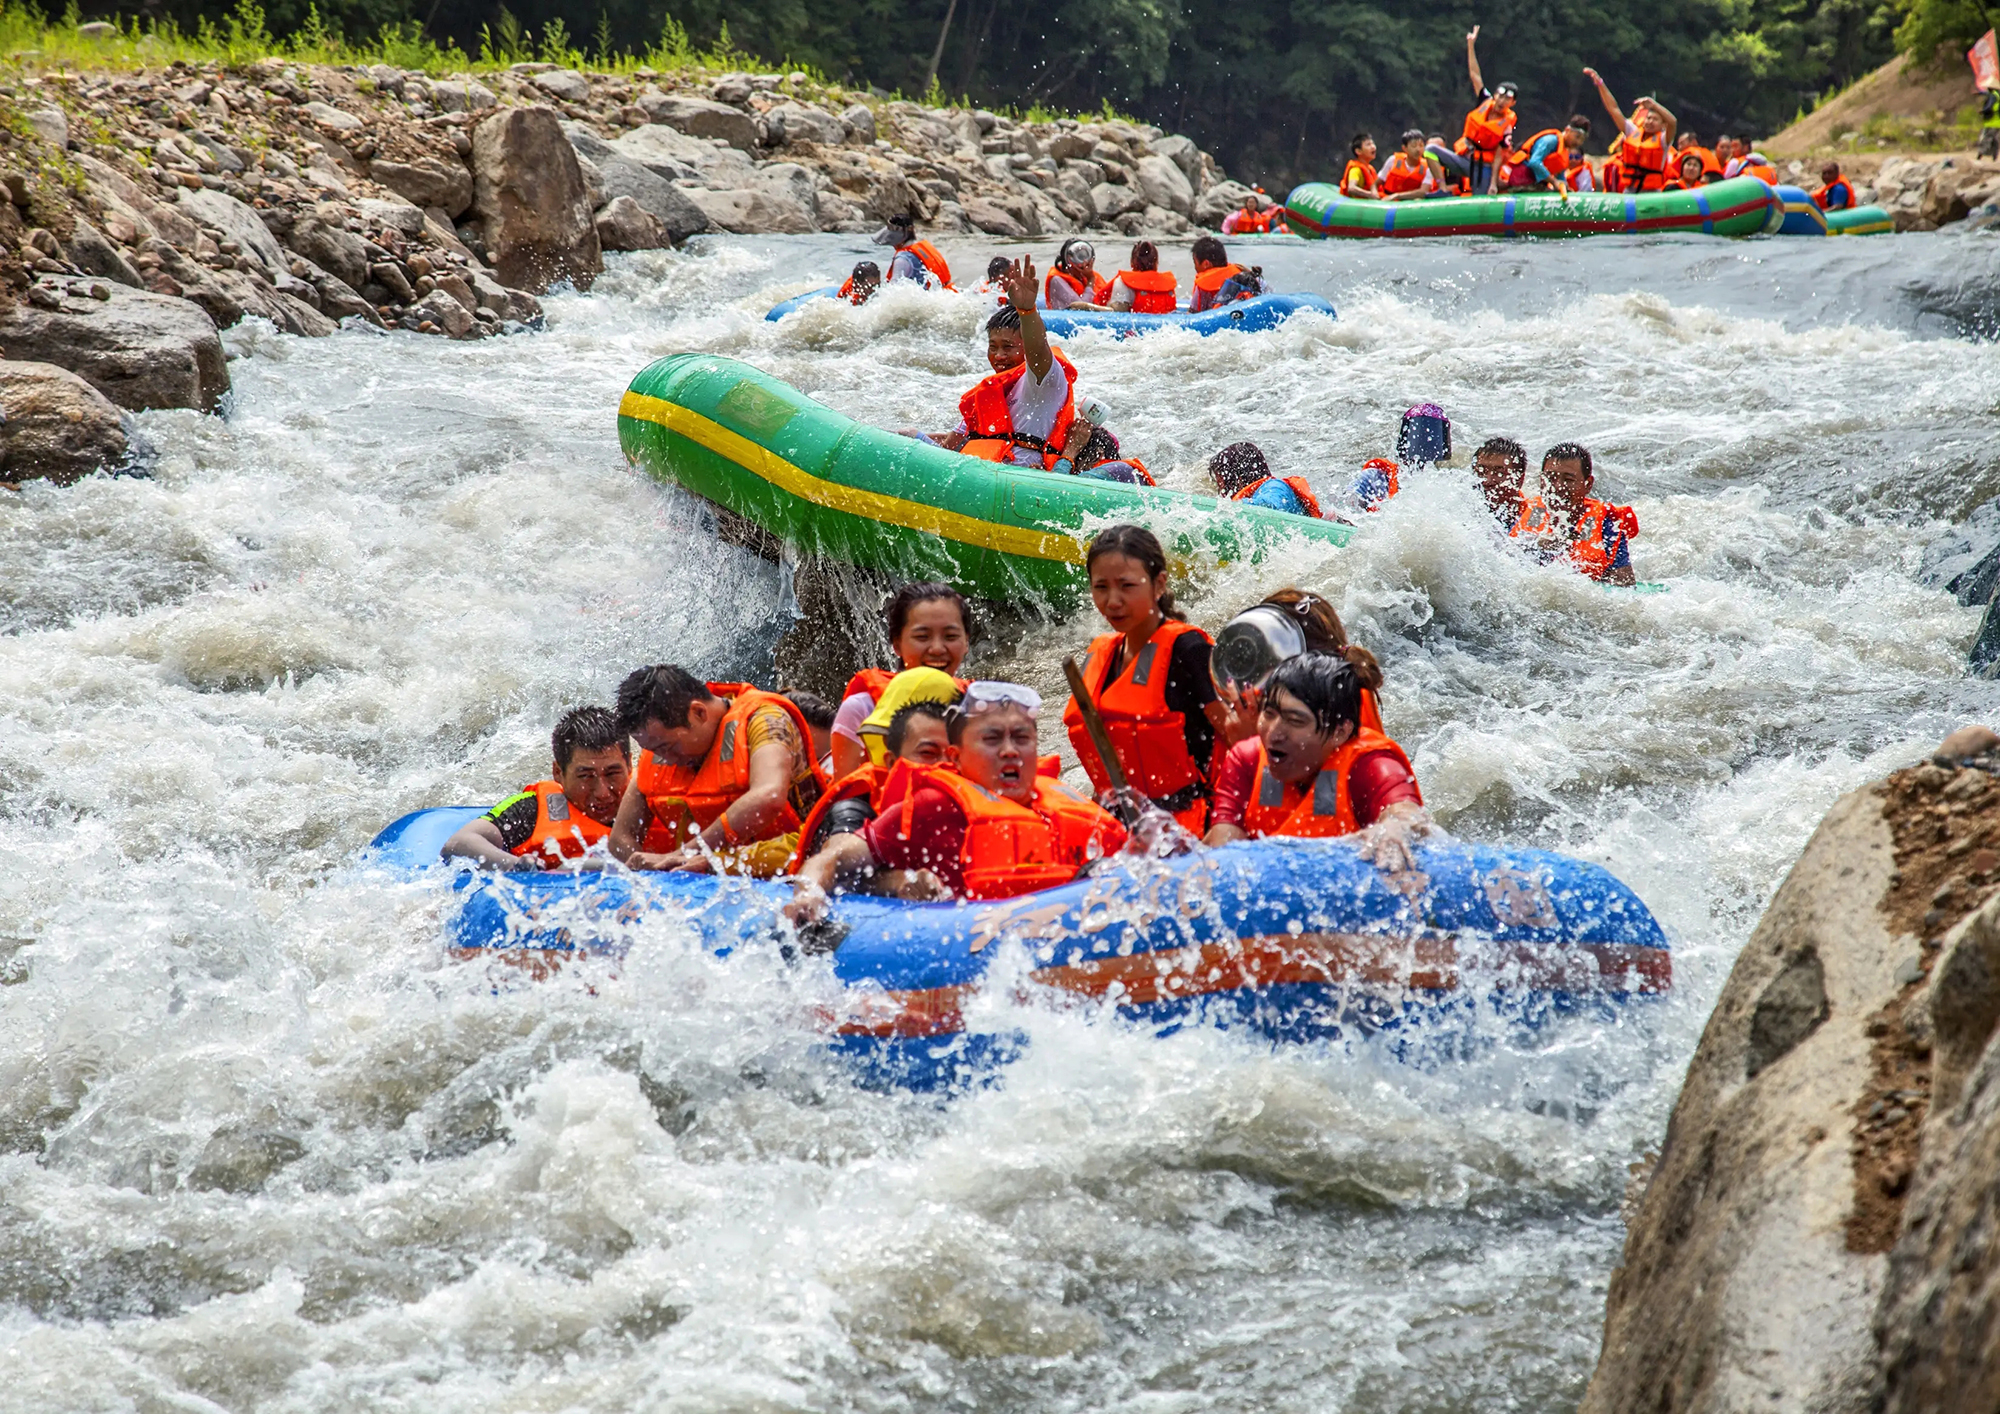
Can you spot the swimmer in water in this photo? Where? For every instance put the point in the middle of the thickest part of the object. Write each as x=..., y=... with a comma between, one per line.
x=556, y=820
x=1566, y=523
x=862, y=283
x=1501, y=468
x=1241, y=473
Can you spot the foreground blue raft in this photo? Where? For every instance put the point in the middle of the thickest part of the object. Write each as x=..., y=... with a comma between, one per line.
x=1248, y=316
x=1296, y=940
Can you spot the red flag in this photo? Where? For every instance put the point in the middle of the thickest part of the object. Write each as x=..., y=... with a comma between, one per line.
x=1984, y=57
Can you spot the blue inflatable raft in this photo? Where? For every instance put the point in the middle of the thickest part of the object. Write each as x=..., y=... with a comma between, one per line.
x=1294, y=940
x=1248, y=316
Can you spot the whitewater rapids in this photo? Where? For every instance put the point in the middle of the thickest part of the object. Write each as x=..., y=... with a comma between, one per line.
x=264, y=1148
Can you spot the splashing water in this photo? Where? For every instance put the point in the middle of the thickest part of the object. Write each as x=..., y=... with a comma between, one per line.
x=262, y=1147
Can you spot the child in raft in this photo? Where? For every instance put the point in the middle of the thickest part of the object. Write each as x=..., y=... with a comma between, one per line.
x=929, y=626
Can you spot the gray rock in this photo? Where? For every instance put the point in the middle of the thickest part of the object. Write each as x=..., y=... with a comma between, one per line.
x=1164, y=185
x=58, y=428
x=994, y=220
x=390, y=277
x=461, y=96
x=666, y=203
x=262, y=299
x=790, y=123
x=670, y=153
x=732, y=88
x=448, y=314
x=1111, y=200
x=698, y=117
x=593, y=182
x=496, y=299
x=1217, y=202
x=238, y=223
x=566, y=85
x=51, y=125
x=97, y=30
x=1182, y=152
x=338, y=300
x=529, y=196
x=402, y=217
x=241, y=1160
x=196, y=282
x=330, y=117
x=91, y=253
x=139, y=349
x=623, y=224
x=860, y=121
x=754, y=212
x=428, y=181
x=333, y=248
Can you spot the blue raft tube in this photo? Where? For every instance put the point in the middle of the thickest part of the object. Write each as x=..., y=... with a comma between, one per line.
x=1250, y=316
x=1291, y=940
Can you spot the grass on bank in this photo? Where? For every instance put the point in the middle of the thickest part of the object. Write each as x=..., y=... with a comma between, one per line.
x=27, y=37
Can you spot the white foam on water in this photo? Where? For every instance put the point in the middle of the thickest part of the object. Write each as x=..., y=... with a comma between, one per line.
x=263, y=1146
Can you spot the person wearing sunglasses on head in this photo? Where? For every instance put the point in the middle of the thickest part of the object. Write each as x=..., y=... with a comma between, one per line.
x=985, y=826
x=1073, y=282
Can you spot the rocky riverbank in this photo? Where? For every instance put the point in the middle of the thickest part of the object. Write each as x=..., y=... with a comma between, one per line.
x=146, y=210
x=1817, y=1233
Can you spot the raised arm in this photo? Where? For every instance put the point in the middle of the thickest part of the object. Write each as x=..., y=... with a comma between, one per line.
x=1019, y=283
x=1669, y=124
x=1472, y=62
x=1604, y=93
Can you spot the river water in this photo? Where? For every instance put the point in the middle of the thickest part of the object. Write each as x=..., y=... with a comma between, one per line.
x=262, y=1147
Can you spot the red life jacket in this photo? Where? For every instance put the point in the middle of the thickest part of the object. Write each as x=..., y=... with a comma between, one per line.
x=1586, y=549
x=1299, y=486
x=1557, y=161
x=1153, y=291
x=560, y=831
x=1011, y=848
x=933, y=262
x=1391, y=472
x=1251, y=223
x=868, y=680
x=1149, y=738
x=1759, y=166
x=1358, y=174
x=1098, y=292
x=862, y=781
x=685, y=800
x=1486, y=129
x=1327, y=809
x=1642, y=162
x=1402, y=173
x=990, y=420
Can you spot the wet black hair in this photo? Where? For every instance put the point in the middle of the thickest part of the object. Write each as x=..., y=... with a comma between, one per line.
x=1210, y=249
x=1580, y=123
x=661, y=693
x=1569, y=452
x=1102, y=446
x=1237, y=465
x=896, y=608
x=1326, y=686
x=903, y=221
x=1514, y=452
x=1138, y=543
x=586, y=729
x=1004, y=318
x=817, y=711
x=996, y=267
x=1409, y=133
x=1145, y=256
x=866, y=270
x=1359, y=138
x=899, y=724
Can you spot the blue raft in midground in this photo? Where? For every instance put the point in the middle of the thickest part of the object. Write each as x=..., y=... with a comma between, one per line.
x=1295, y=940
x=1250, y=316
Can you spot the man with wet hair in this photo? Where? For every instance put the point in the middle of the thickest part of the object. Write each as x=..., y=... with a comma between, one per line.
x=1501, y=467
x=862, y=282
x=561, y=818
x=725, y=778
x=914, y=259
x=1566, y=523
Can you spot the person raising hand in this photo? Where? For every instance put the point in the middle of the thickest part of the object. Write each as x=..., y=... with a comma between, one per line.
x=1022, y=412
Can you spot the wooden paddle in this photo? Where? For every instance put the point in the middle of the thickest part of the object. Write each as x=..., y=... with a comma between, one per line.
x=1094, y=724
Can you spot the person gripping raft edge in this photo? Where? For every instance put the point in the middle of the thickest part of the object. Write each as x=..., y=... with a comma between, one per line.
x=556, y=820
x=1241, y=473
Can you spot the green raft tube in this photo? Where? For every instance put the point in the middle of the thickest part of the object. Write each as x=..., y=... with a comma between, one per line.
x=1742, y=206
x=829, y=486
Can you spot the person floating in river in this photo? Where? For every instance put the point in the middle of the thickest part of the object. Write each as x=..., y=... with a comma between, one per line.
x=917, y=733
x=559, y=819
x=1149, y=680
x=1489, y=127
x=1645, y=138
x=1835, y=192
x=1565, y=523
x=996, y=271
x=862, y=282
x=725, y=777
x=1315, y=770
x=1022, y=412
x=929, y=626
x=1145, y=288
x=1501, y=468
x=1073, y=282
x=1358, y=181
x=1423, y=438
x=987, y=826
x=914, y=259
x=1241, y=473
x=1093, y=450
x=1217, y=281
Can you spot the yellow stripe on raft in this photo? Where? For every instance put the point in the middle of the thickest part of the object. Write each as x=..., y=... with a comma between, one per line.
x=762, y=462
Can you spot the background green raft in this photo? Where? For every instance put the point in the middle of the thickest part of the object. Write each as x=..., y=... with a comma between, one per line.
x=1743, y=206
x=832, y=487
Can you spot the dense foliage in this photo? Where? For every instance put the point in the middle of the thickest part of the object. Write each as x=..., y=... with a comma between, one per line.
x=1276, y=86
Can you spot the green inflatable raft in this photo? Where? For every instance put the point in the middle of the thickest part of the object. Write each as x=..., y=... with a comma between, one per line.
x=1743, y=206
x=832, y=487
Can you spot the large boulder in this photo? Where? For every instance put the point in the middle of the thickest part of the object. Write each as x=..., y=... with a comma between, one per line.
x=1110, y=200
x=255, y=296
x=1217, y=202
x=238, y=223
x=331, y=246
x=621, y=176
x=90, y=252
x=1165, y=185
x=139, y=349
x=666, y=151
x=623, y=224
x=755, y=212
x=1756, y=1259
x=529, y=196
x=993, y=219
x=437, y=181
x=57, y=426
x=1182, y=152
x=698, y=117
x=790, y=123
x=564, y=85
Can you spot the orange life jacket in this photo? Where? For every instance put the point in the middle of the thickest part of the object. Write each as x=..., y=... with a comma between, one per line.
x=990, y=420
x=1097, y=293
x=1300, y=488
x=864, y=780
x=847, y=290
x=1390, y=470
x=1251, y=223
x=1642, y=162
x=1586, y=549
x=1402, y=173
x=1580, y=171
x=1153, y=291
x=1486, y=129
x=933, y=262
x=1149, y=737
x=869, y=680
x=1011, y=848
x=1709, y=161
x=1557, y=161
x=1824, y=195
x=1327, y=809
x=1758, y=165
x=1211, y=280
x=686, y=800
x=1358, y=174
x=560, y=832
